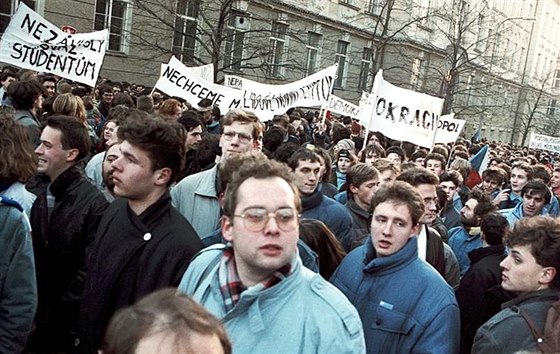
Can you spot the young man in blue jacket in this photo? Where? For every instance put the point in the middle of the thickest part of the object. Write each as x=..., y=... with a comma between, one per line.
x=256, y=283
x=404, y=304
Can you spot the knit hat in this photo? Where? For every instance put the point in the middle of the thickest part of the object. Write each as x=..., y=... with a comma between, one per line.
x=344, y=153
x=346, y=144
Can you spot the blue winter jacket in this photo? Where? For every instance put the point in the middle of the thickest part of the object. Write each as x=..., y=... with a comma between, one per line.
x=404, y=304
x=513, y=215
x=462, y=243
x=303, y=313
x=332, y=213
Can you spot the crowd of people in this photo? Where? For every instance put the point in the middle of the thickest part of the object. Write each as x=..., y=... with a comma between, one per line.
x=133, y=222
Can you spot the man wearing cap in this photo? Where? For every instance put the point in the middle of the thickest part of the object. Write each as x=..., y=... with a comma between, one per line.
x=204, y=109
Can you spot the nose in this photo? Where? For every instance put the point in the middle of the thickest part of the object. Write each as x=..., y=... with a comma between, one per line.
x=504, y=265
x=387, y=229
x=39, y=149
x=115, y=165
x=271, y=226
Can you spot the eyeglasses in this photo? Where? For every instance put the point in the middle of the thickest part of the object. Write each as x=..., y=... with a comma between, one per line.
x=255, y=219
x=243, y=138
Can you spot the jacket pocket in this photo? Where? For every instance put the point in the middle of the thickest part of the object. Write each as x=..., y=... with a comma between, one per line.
x=392, y=321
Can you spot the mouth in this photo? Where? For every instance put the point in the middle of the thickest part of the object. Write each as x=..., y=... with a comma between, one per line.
x=383, y=244
x=271, y=250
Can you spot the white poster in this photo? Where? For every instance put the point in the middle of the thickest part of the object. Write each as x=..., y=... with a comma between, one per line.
x=339, y=106
x=544, y=142
x=449, y=129
x=205, y=72
x=402, y=114
x=31, y=42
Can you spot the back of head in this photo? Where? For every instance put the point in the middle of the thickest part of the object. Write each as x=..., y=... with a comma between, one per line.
x=24, y=93
x=74, y=134
x=360, y=173
x=542, y=235
x=145, y=103
x=163, y=141
x=19, y=161
x=164, y=312
x=189, y=120
x=494, y=227
x=320, y=239
x=418, y=175
x=123, y=99
x=69, y=105
x=400, y=192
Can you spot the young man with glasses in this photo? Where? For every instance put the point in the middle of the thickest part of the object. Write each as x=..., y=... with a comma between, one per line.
x=196, y=196
x=256, y=283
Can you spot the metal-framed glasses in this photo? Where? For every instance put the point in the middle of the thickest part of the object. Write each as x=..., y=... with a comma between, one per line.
x=255, y=219
x=242, y=137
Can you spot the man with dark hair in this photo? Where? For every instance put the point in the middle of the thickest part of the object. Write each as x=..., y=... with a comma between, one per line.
x=450, y=182
x=492, y=180
x=466, y=238
x=196, y=196
x=105, y=101
x=483, y=275
x=193, y=127
x=143, y=243
x=431, y=248
x=435, y=162
x=531, y=272
x=256, y=283
x=49, y=83
x=418, y=157
x=306, y=166
x=27, y=100
x=363, y=182
x=64, y=220
x=536, y=196
x=6, y=78
x=395, y=154
x=405, y=306
x=521, y=174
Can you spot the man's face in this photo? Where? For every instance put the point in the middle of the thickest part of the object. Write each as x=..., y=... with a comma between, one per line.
x=429, y=196
x=132, y=173
x=391, y=227
x=53, y=158
x=193, y=138
x=533, y=202
x=419, y=162
x=237, y=138
x=489, y=185
x=449, y=188
x=394, y=158
x=307, y=176
x=50, y=88
x=370, y=158
x=113, y=153
x=364, y=193
x=435, y=166
x=387, y=176
x=107, y=97
x=109, y=129
x=468, y=217
x=8, y=81
x=555, y=180
x=518, y=179
x=262, y=252
x=520, y=271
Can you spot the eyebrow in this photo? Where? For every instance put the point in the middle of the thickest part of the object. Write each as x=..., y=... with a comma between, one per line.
x=128, y=154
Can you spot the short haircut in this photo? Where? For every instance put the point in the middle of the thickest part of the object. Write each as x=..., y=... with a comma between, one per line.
x=525, y=167
x=437, y=157
x=24, y=93
x=383, y=165
x=105, y=88
x=451, y=176
x=418, y=175
x=273, y=138
x=19, y=161
x=69, y=105
x=494, y=174
x=303, y=154
x=145, y=103
x=124, y=99
x=542, y=235
x=242, y=116
x=4, y=75
x=340, y=132
x=164, y=311
x=542, y=173
x=229, y=166
x=463, y=166
x=442, y=150
x=484, y=205
x=401, y=193
x=259, y=169
x=163, y=141
x=537, y=187
x=396, y=150
x=74, y=134
x=359, y=174
x=324, y=154
x=494, y=226
x=48, y=78
x=418, y=154
x=189, y=120
x=372, y=150
x=168, y=106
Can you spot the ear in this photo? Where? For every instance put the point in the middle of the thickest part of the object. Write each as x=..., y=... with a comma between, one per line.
x=547, y=275
x=162, y=176
x=416, y=230
x=227, y=226
x=72, y=155
x=353, y=189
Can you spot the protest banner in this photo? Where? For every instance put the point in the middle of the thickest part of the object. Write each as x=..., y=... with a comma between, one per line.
x=31, y=42
x=339, y=106
x=402, y=114
x=262, y=99
x=449, y=129
x=544, y=142
x=205, y=72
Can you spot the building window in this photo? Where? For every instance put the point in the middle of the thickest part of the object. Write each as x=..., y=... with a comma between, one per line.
x=341, y=60
x=313, y=56
x=8, y=8
x=556, y=81
x=480, y=32
x=365, y=69
x=415, y=76
x=376, y=7
x=278, y=47
x=347, y=2
x=234, y=41
x=551, y=107
x=185, y=31
x=114, y=15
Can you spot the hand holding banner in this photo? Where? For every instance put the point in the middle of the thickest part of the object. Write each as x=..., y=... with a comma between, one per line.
x=31, y=42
